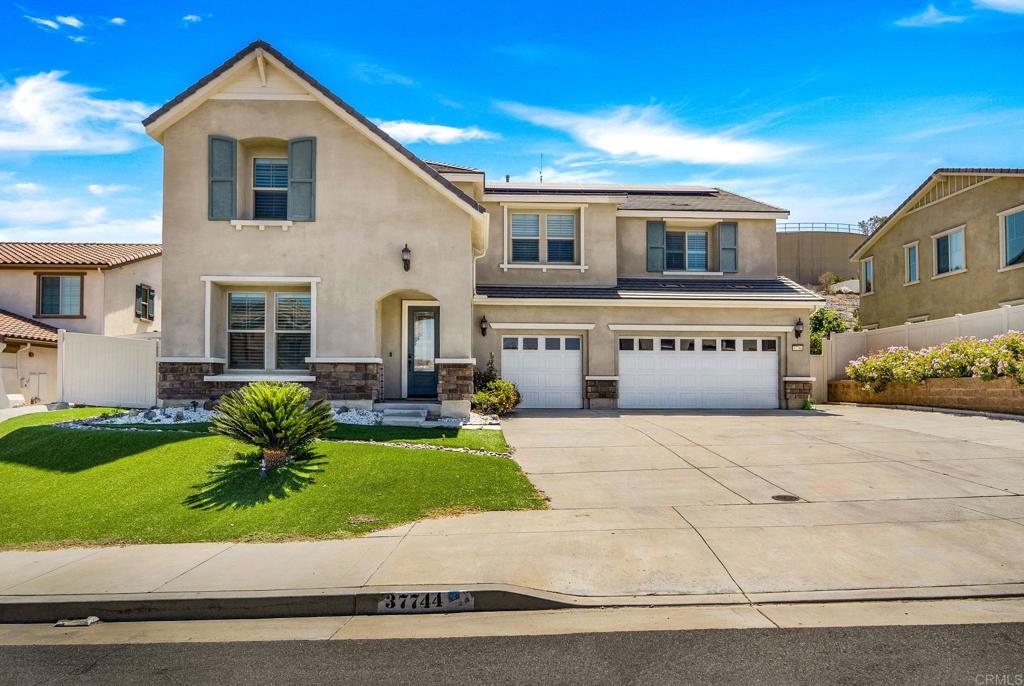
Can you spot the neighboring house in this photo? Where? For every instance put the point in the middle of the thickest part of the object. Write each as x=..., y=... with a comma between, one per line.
x=303, y=243
x=110, y=289
x=955, y=246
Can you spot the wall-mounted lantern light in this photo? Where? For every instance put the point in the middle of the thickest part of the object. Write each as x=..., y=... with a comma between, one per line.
x=483, y=325
x=799, y=328
x=406, y=257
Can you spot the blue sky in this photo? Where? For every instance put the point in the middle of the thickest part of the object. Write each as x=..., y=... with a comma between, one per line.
x=835, y=111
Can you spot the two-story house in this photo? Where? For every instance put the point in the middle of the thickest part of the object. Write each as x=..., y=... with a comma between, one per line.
x=954, y=246
x=303, y=243
x=108, y=289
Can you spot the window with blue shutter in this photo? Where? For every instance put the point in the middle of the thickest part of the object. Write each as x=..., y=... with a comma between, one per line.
x=223, y=181
x=728, y=247
x=302, y=179
x=525, y=237
x=655, y=246
x=697, y=251
x=561, y=238
x=145, y=302
x=270, y=188
x=675, y=251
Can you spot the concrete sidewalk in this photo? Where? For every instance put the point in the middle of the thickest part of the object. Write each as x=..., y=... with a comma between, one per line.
x=651, y=508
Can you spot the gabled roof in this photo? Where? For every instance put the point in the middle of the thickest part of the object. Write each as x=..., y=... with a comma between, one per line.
x=105, y=255
x=22, y=328
x=260, y=47
x=778, y=288
x=935, y=177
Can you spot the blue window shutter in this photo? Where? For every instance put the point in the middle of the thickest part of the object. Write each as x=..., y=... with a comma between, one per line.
x=151, y=309
x=138, y=301
x=302, y=179
x=223, y=177
x=655, y=246
x=728, y=247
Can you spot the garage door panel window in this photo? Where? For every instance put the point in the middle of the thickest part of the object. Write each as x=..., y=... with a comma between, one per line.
x=552, y=343
x=668, y=344
x=769, y=345
x=510, y=344
x=572, y=343
x=729, y=345
x=687, y=344
x=749, y=345
x=646, y=344
x=626, y=344
x=529, y=344
x=708, y=345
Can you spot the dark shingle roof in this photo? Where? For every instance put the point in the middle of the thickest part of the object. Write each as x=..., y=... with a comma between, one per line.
x=666, y=198
x=76, y=254
x=779, y=288
x=22, y=328
x=448, y=168
x=326, y=92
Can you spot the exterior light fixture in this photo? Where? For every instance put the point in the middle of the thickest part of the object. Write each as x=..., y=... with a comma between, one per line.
x=483, y=325
x=799, y=328
x=406, y=257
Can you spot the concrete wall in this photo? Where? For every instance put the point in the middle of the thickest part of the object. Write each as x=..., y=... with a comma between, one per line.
x=981, y=287
x=367, y=207
x=805, y=255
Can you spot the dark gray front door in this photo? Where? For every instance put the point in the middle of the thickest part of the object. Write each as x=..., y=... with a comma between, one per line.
x=424, y=341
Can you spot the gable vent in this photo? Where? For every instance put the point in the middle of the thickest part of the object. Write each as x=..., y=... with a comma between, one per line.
x=947, y=186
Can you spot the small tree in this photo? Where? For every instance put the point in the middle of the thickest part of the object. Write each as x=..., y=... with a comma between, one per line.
x=482, y=378
x=824, y=321
x=827, y=280
x=275, y=417
x=872, y=224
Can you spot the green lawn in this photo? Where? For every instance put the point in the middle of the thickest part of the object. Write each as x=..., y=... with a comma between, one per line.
x=64, y=486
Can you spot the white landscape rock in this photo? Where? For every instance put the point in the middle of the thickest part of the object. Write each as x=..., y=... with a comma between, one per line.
x=357, y=416
x=166, y=415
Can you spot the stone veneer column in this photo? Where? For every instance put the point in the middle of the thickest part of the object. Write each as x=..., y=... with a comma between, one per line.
x=602, y=392
x=181, y=382
x=455, y=387
x=797, y=392
x=355, y=384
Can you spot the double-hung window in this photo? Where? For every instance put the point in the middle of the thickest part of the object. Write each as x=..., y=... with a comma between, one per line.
x=1013, y=239
x=60, y=295
x=247, y=326
x=145, y=302
x=867, y=276
x=561, y=238
x=686, y=251
x=525, y=237
x=910, y=261
x=292, y=329
x=949, y=252
x=270, y=188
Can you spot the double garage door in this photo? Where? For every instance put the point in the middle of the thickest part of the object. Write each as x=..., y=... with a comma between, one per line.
x=654, y=372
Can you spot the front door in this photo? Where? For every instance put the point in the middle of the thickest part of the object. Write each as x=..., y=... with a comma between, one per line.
x=424, y=341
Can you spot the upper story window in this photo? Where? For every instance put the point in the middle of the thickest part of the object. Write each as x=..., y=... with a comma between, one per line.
x=867, y=276
x=543, y=238
x=60, y=295
x=1012, y=238
x=686, y=251
x=910, y=261
x=145, y=302
x=270, y=188
x=525, y=237
x=949, y=252
x=561, y=238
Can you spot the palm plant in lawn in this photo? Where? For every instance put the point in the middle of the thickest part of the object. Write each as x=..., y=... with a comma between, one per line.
x=275, y=417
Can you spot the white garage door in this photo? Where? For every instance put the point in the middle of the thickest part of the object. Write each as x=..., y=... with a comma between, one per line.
x=548, y=370
x=701, y=373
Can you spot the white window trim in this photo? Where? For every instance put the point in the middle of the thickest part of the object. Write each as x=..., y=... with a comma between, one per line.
x=277, y=330
x=506, y=244
x=261, y=224
x=229, y=331
x=906, y=262
x=406, y=304
x=1003, y=267
x=266, y=222
x=686, y=251
x=863, y=280
x=935, y=252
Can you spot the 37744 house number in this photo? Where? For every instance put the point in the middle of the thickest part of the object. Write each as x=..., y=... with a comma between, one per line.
x=443, y=601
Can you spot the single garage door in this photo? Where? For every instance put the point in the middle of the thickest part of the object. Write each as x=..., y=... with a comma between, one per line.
x=548, y=370
x=700, y=373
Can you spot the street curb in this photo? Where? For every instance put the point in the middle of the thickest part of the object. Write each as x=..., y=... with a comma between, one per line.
x=363, y=601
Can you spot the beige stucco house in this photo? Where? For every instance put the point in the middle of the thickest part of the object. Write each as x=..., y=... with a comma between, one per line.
x=107, y=289
x=955, y=246
x=303, y=243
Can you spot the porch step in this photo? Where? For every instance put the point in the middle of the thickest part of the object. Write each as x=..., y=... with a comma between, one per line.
x=431, y=408
x=404, y=416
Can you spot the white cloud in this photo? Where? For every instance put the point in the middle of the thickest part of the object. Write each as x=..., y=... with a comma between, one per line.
x=374, y=73
x=118, y=21
x=931, y=16
x=556, y=175
x=77, y=39
x=23, y=188
x=70, y=21
x=44, y=113
x=1014, y=6
x=48, y=23
x=647, y=133
x=101, y=189
x=71, y=219
x=416, y=132
x=192, y=18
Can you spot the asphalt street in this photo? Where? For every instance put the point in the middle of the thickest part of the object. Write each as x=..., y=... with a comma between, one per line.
x=984, y=654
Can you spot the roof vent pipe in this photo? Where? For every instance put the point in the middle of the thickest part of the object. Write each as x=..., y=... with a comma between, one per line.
x=506, y=178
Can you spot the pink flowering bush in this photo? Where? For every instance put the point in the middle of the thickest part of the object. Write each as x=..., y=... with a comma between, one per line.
x=991, y=358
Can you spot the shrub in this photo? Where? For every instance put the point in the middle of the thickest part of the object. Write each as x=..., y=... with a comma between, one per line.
x=482, y=378
x=824, y=321
x=498, y=397
x=275, y=417
x=827, y=280
x=1001, y=356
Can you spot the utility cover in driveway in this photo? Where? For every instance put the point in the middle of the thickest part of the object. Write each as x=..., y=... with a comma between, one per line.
x=698, y=373
x=547, y=370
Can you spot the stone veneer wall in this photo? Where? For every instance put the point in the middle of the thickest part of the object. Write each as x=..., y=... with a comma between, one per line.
x=999, y=395
x=797, y=393
x=454, y=381
x=184, y=381
x=602, y=389
x=346, y=380
x=180, y=381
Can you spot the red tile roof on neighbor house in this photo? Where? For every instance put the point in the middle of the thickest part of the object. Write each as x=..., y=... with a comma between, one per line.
x=76, y=254
x=22, y=328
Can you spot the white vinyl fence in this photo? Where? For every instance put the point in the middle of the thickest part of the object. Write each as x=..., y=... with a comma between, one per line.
x=106, y=370
x=840, y=349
